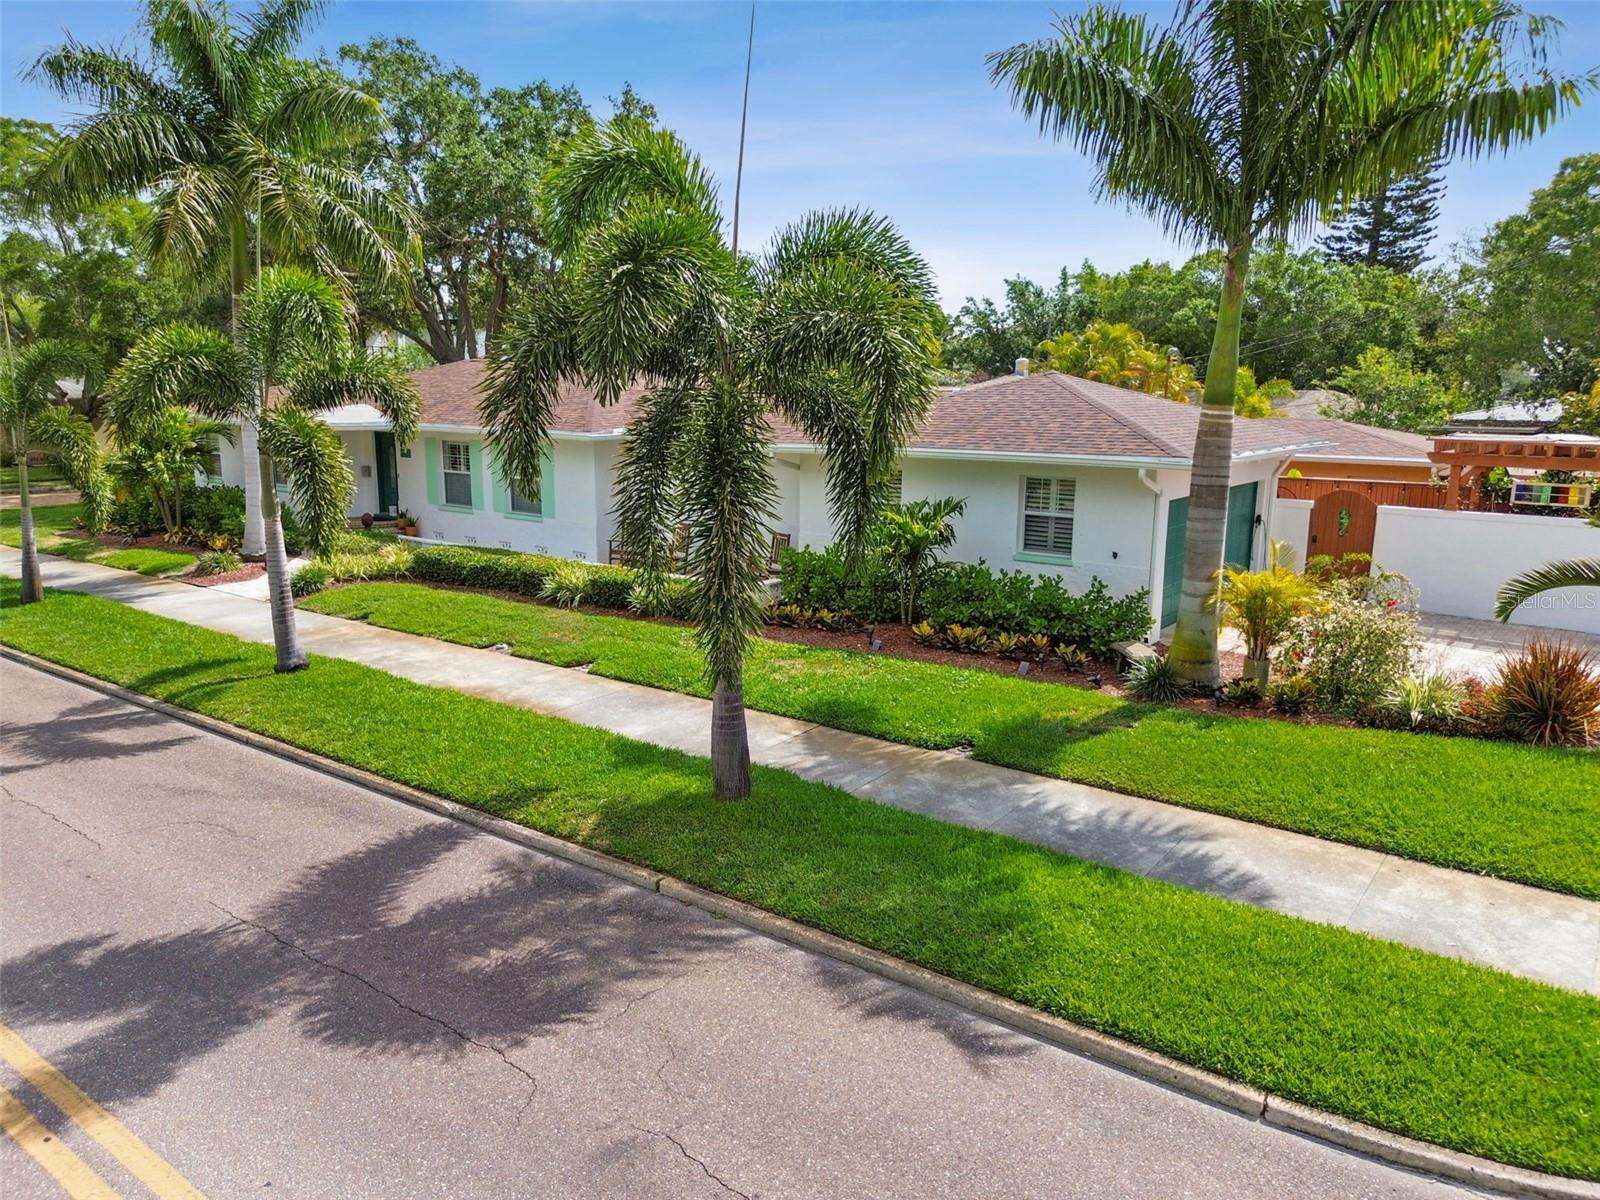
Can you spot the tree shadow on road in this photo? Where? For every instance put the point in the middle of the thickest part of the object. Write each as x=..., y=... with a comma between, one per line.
x=95, y=731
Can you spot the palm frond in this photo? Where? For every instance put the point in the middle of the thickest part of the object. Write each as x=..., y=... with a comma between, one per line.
x=202, y=51
x=315, y=116
x=867, y=241
x=68, y=440
x=289, y=316
x=604, y=166
x=356, y=377
x=114, y=153
x=1567, y=573
x=28, y=376
x=183, y=365
x=194, y=202
x=100, y=75
x=527, y=364
x=647, y=487
x=727, y=510
x=276, y=26
x=310, y=456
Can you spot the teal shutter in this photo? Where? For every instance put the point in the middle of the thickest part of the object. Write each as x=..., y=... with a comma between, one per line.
x=499, y=492
x=1172, y=559
x=547, y=484
x=430, y=453
x=1241, y=526
x=480, y=473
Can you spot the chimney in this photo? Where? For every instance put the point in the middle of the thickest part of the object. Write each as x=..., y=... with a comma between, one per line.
x=1021, y=367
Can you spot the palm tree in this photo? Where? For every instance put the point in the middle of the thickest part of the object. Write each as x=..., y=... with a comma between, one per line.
x=163, y=455
x=36, y=420
x=238, y=144
x=910, y=536
x=831, y=329
x=293, y=359
x=1573, y=572
x=1247, y=119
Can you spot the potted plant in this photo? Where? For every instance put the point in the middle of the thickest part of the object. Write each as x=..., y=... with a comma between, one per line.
x=1262, y=605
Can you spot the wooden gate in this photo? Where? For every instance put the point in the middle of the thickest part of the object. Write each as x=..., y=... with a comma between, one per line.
x=1342, y=522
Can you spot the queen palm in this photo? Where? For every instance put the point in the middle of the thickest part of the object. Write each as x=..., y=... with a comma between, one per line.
x=236, y=142
x=293, y=359
x=36, y=421
x=1251, y=118
x=831, y=329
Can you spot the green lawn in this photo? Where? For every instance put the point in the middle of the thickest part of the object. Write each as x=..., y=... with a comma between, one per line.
x=1456, y=1054
x=51, y=477
x=49, y=524
x=1514, y=811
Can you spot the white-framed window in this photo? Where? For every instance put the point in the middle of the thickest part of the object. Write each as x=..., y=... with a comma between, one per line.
x=457, y=473
x=1047, y=505
x=532, y=505
x=213, y=466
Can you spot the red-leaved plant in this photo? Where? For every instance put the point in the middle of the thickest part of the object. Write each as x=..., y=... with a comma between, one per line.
x=1549, y=695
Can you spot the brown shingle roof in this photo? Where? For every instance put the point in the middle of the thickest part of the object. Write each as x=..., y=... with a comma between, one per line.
x=1048, y=414
x=1347, y=440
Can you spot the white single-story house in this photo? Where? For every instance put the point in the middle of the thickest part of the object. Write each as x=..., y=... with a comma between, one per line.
x=1061, y=475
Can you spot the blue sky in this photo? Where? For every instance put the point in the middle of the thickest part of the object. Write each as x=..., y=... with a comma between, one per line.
x=882, y=105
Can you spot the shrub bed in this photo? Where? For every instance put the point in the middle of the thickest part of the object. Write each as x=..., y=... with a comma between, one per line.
x=212, y=517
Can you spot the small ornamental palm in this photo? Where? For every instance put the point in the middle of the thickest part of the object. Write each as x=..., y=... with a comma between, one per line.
x=1262, y=605
x=237, y=144
x=35, y=421
x=164, y=457
x=831, y=330
x=1246, y=119
x=294, y=359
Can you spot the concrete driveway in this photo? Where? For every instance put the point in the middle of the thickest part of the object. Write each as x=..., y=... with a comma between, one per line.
x=288, y=986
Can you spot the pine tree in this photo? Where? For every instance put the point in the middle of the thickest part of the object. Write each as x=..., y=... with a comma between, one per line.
x=1391, y=229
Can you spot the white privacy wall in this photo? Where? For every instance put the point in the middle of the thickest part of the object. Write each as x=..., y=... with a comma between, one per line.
x=1460, y=559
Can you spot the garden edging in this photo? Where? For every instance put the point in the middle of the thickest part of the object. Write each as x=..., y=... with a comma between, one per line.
x=1199, y=1084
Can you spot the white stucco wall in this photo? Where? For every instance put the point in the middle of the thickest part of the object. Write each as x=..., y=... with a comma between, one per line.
x=1460, y=559
x=359, y=448
x=1291, y=523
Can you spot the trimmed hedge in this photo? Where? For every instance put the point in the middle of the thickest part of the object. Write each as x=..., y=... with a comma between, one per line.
x=970, y=594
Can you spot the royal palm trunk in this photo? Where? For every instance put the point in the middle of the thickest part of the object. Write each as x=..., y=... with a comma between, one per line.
x=32, y=585
x=285, y=635
x=730, y=742
x=253, y=544
x=1194, y=642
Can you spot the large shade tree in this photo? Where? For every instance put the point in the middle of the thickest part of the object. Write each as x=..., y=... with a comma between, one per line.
x=829, y=329
x=293, y=360
x=35, y=420
x=1246, y=119
x=238, y=145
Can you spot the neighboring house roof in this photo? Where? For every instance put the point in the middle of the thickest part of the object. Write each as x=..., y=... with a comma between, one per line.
x=1530, y=417
x=1316, y=402
x=1048, y=415
x=1348, y=442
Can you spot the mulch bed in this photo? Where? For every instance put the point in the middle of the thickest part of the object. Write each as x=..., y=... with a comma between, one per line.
x=249, y=571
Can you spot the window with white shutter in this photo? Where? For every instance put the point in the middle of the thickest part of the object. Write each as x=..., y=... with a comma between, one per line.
x=458, y=474
x=1047, y=515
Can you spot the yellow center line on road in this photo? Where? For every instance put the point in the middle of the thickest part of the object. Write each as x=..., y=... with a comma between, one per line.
x=74, y=1175
x=148, y=1167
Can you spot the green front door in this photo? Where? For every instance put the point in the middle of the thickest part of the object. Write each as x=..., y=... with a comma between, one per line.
x=388, y=474
x=1241, y=525
x=1172, y=568
x=1235, y=548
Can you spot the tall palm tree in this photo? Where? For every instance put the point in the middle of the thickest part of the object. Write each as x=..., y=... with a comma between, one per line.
x=1251, y=118
x=831, y=329
x=293, y=359
x=239, y=145
x=1569, y=573
x=36, y=420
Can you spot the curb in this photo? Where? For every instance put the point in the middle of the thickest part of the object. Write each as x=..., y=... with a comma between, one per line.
x=1392, y=1148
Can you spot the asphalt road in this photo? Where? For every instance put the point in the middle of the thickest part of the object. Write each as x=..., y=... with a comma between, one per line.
x=283, y=985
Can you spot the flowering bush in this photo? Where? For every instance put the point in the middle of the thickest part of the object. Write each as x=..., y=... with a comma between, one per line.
x=1352, y=651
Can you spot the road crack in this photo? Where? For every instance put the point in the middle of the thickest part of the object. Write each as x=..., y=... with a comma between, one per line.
x=533, y=1084
x=10, y=795
x=709, y=1173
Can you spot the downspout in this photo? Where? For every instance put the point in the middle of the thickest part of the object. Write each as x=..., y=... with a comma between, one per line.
x=1147, y=476
x=1270, y=508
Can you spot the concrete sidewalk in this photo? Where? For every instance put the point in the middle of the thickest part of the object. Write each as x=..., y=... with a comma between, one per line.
x=1524, y=930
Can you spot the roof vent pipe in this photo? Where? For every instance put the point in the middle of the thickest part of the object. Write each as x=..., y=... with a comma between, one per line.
x=1021, y=367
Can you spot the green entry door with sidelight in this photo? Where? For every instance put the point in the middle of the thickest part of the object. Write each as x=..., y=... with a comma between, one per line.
x=388, y=474
x=1236, y=548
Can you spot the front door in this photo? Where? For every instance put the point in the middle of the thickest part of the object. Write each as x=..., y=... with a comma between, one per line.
x=1241, y=525
x=1172, y=562
x=388, y=474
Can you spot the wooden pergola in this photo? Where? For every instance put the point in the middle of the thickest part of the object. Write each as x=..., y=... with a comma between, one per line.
x=1470, y=455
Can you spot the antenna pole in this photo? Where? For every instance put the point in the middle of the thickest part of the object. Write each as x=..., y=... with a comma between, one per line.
x=744, y=117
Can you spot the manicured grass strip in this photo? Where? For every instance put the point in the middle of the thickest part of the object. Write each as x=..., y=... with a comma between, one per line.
x=1518, y=812
x=1456, y=1054
x=50, y=524
x=36, y=475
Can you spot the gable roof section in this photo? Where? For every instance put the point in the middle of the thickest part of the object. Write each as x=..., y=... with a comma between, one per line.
x=1349, y=442
x=1048, y=415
